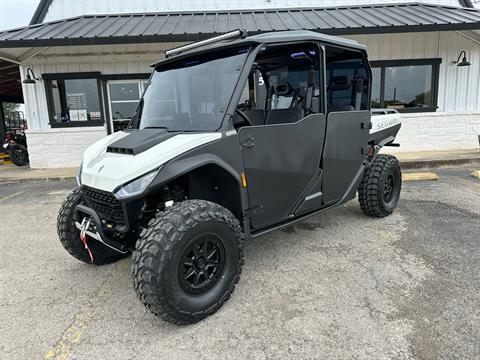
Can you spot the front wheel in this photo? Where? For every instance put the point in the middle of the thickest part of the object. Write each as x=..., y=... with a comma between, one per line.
x=188, y=260
x=69, y=235
x=380, y=188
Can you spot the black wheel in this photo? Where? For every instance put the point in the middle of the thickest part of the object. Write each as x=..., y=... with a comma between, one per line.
x=18, y=154
x=188, y=260
x=380, y=188
x=70, y=236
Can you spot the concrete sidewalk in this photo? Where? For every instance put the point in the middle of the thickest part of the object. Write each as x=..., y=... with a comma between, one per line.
x=428, y=159
x=409, y=160
x=14, y=173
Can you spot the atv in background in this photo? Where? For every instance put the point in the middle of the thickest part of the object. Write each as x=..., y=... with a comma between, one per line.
x=15, y=142
x=15, y=145
x=235, y=137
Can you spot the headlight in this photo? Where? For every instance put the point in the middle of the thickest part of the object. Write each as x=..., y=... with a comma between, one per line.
x=79, y=175
x=135, y=187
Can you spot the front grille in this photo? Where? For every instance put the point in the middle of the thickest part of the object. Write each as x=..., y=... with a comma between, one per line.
x=105, y=204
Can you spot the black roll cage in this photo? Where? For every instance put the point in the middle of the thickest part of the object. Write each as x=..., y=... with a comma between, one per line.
x=248, y=65
x=254, y=48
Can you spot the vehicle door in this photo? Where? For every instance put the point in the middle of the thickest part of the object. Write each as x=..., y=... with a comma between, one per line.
x=348, y=121
x=282, y=149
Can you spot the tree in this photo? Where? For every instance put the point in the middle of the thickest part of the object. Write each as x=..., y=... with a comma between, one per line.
x=9, y=109
x=12, y=117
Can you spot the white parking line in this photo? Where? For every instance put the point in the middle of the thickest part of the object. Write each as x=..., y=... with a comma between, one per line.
x=11, y=196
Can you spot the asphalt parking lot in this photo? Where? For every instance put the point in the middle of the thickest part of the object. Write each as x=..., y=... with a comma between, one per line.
x=340, y=285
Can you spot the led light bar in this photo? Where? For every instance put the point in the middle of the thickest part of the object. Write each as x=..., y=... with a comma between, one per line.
x=227, y=36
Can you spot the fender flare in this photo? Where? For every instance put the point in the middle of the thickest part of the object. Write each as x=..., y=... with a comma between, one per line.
x=179, y=167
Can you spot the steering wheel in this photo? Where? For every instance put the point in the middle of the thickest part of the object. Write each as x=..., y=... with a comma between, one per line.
x=243, y=116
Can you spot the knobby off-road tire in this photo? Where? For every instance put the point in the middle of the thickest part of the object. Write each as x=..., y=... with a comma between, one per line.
x=18, y=154
x=70, y=236
x=380, y=188
x=161, y=261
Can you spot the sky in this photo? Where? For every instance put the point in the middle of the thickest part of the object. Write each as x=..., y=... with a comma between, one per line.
x=16, y=13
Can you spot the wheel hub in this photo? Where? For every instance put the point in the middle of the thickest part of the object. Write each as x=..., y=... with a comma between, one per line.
x=388, y=188
x=202, y=264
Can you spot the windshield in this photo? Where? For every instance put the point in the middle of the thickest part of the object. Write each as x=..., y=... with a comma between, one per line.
x=191, y=94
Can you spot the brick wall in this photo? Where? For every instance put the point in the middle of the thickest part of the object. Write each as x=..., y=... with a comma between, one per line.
x=438, y=131
x=51, y=148
x=54, y=148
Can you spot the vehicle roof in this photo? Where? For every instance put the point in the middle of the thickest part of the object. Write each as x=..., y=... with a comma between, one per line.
x=270, y=38
x=302, y=35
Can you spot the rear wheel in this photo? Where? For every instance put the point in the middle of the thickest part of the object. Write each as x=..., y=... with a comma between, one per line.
x=70, y=236
x=380, y=188
x=186, y=264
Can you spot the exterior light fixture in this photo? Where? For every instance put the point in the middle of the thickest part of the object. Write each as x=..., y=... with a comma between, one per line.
x=464, y=61
x=30, y=79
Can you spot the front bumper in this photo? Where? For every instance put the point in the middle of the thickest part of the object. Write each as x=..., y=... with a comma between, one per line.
x=88, y=222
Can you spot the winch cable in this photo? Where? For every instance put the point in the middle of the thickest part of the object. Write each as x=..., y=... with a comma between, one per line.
x=83, y=238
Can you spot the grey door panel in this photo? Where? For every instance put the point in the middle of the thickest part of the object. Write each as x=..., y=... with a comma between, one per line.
x=280, y=162
x=345, y=144
x=312, y=199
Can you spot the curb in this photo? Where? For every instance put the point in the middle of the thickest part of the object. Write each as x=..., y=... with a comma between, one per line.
x=418, y=164
x=405, y=164
x=48, y=178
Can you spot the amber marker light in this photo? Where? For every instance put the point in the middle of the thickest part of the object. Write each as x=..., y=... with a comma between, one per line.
x=244, y=180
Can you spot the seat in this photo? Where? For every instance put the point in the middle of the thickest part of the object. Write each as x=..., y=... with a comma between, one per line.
x=339, y=83
x=257, y=117
x=289, y=115
x=284, y=116
x=338, y=108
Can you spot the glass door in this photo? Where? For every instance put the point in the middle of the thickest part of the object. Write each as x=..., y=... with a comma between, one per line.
x=123, y=96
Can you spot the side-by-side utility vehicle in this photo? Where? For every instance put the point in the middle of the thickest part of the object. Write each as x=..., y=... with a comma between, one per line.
x=234, y=137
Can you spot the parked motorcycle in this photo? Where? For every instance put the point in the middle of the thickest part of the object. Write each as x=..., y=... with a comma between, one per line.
x=15, y=146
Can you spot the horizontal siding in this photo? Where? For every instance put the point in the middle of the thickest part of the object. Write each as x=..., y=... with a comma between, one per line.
x=459, y=88
x=60, y=9
x=127, y=60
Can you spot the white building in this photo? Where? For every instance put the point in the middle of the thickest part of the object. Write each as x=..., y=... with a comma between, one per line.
x=92, y=57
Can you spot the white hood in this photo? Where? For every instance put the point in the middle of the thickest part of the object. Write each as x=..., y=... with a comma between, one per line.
x=106, y=171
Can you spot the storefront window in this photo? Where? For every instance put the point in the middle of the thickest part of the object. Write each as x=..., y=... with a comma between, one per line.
x=73, y=101
x=405, y=85
x=376, y=87
x=124, y=96
x=408, y=86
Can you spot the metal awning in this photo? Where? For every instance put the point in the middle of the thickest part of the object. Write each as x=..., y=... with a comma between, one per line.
x=193, y=26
